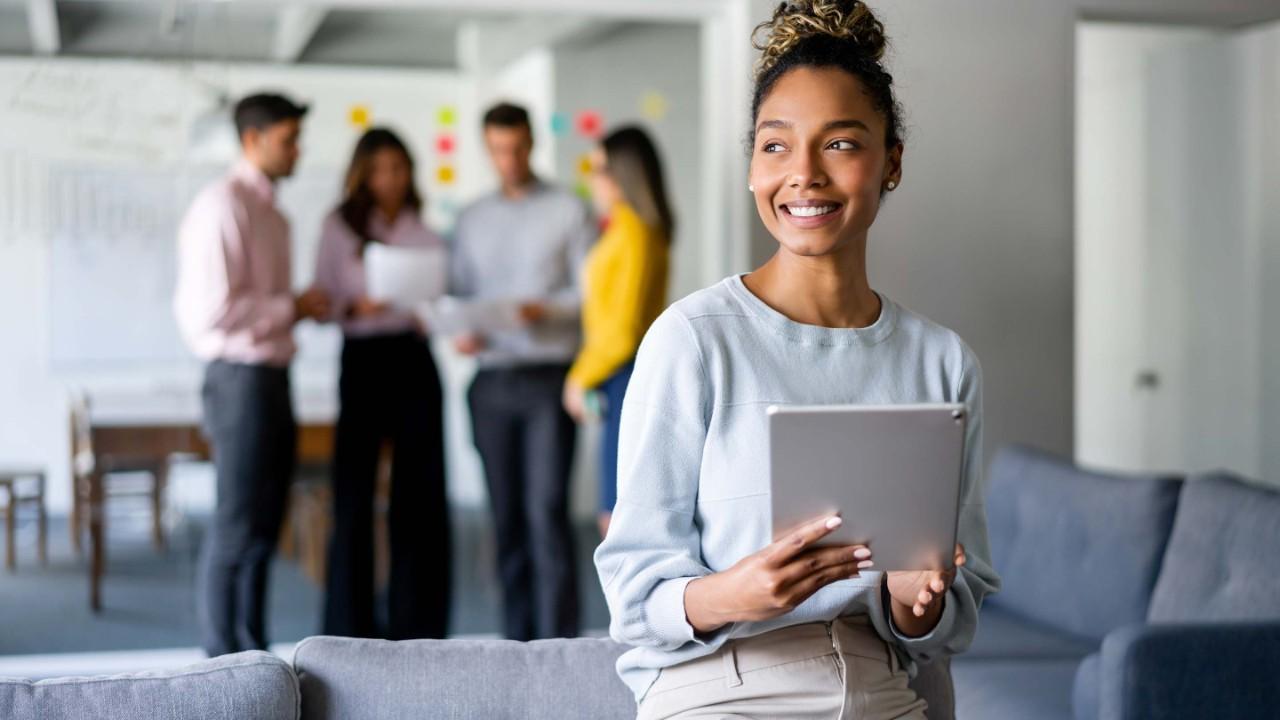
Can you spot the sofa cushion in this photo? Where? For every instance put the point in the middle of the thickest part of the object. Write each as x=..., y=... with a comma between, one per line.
x=245, y=686
x=1013, y=689
x=1076, y=549
x=1003, y=634
x=1086, y=692
x=1223, y=561
x=354, y=679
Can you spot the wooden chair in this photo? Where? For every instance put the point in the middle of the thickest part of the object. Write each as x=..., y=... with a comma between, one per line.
x=97, y=477
x=18, y=493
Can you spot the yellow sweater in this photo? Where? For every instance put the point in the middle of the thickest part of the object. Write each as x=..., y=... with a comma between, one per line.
x=626, y=290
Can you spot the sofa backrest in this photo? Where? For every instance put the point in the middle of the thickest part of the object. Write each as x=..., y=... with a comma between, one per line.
x=245, y=686
x=354, y=679
x=357, y=679
x=1076, y=549
x=1223, y=561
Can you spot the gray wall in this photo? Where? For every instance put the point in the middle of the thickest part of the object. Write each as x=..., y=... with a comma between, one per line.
x=979, y=235
x=611, y=74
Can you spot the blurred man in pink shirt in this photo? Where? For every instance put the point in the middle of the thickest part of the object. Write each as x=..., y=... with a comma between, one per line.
x=236, y=310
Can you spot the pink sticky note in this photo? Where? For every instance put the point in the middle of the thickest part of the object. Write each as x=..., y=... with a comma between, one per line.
x=590, y=124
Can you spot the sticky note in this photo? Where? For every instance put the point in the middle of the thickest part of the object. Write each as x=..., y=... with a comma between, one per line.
x=445, y=174
x=584, y=164
x=559, y=123
x=582, y=190
x=447, y=116
x=444, y=144
x=359, y=116
x=653, y=105
x=590, y=124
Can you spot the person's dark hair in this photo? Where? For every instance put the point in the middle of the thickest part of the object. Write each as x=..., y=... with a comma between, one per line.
x=631, y=159
x=506, y=115
x=841, y=34
x=263, y=110
x=357, y=200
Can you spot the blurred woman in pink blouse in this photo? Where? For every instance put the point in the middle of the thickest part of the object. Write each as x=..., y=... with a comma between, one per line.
x=389, y=392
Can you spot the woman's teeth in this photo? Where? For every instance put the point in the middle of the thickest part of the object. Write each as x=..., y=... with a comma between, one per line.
x=811, y=210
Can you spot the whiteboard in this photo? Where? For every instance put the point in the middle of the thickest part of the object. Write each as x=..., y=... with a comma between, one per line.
x=99, y=159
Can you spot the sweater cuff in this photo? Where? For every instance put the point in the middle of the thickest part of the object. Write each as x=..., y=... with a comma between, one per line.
x=932, y=640
x=665, y=609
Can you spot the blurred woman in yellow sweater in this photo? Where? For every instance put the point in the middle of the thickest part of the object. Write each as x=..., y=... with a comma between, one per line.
x=626, y=286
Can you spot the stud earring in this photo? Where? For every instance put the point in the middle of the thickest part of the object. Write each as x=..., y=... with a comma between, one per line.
x=751, y=188
x=893, y=184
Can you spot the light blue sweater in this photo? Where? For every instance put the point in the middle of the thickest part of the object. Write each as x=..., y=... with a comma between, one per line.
x=693, y=479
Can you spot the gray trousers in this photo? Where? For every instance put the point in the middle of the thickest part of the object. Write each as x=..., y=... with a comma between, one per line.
x=248, y=418
x=526, y=441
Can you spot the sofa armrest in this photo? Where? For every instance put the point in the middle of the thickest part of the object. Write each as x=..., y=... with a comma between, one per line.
x=1170, y=672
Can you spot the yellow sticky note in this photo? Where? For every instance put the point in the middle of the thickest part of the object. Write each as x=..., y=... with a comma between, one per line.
x=445, y=174
x=654, y=105
x=359, y=116
x=584, y=164
x=447, y=116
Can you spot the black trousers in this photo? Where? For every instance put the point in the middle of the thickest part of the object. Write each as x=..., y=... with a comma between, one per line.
x=390, y=391
x=248, y=418
x=526, y=441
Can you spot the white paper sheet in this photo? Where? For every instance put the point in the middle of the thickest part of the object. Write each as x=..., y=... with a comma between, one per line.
x=404, y=276
x=455, y=316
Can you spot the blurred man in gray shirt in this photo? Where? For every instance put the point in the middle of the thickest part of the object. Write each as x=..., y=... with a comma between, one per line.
x=526, y=243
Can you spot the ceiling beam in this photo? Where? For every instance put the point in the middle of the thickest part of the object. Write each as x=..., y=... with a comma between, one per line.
x=295, y=27
x=637, y=10
x=42, y=20
x=485, y=46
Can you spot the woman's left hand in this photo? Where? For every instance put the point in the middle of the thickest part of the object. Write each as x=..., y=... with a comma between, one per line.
x=574, y=399
x=917, y=595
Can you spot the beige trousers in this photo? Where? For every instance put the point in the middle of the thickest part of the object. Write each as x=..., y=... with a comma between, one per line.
x=840, y=669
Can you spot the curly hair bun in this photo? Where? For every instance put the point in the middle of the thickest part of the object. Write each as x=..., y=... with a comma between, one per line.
x=797, y=20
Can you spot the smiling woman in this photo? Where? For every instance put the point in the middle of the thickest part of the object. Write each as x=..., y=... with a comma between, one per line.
x=724, y=617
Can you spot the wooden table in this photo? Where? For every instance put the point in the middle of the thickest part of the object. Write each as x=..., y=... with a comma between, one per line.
x=151, y=445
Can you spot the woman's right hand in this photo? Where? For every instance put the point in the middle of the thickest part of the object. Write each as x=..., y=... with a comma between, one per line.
x=775, y=580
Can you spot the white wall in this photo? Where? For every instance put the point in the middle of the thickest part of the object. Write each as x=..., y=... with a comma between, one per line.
x=979, y=235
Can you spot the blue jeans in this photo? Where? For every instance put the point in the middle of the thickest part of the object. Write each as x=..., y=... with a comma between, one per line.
x=613, y=390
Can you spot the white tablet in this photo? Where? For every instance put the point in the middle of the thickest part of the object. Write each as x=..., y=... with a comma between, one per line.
x=891, y=471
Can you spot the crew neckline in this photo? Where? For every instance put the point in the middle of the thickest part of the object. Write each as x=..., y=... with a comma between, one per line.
x=872, y=334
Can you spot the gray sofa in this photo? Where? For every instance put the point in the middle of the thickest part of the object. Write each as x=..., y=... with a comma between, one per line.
x=350, y=679
x=1124, y=597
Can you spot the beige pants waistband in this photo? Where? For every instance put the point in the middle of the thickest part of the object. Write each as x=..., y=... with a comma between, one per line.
x=851, y=635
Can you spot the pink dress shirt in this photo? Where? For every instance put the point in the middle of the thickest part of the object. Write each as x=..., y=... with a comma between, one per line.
x=234, y=299
x=340, y=269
